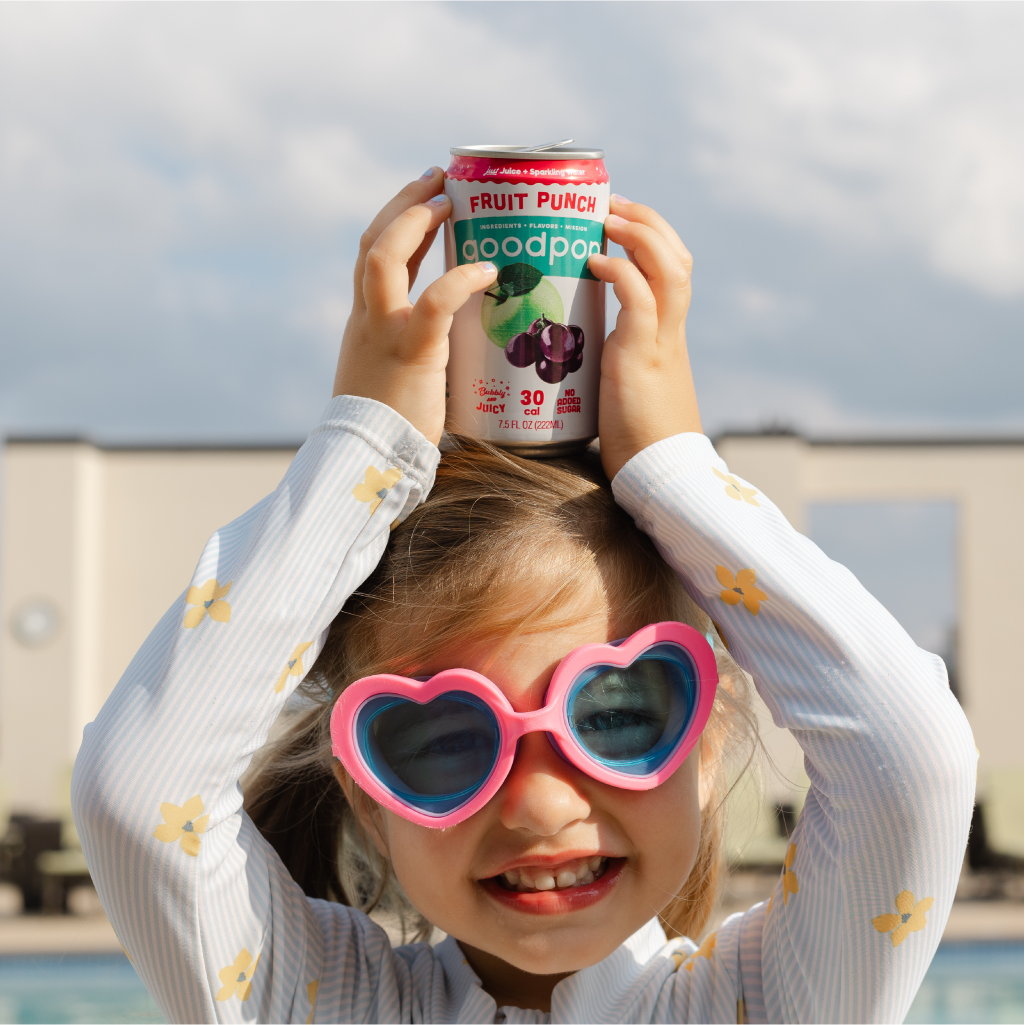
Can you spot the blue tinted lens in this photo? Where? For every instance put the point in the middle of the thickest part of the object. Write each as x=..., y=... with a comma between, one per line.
x=632, y=719
x=434, y=756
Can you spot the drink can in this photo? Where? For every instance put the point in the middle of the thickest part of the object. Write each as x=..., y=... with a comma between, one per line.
x=525, y=354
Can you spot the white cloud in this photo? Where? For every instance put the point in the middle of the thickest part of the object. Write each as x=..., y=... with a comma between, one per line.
x=876, y=126
x=182, y=185
x=736, y=398
x=768, y=312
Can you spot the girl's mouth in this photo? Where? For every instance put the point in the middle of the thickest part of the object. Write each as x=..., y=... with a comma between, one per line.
x=552, y=890
x=530, y=879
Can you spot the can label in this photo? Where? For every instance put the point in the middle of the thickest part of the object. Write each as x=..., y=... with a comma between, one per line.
x=525, y=354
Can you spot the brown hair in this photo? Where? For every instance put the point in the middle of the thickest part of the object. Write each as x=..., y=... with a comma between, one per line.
x=539, y=533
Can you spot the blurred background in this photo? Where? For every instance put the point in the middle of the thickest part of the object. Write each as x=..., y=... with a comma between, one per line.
x=182, y=189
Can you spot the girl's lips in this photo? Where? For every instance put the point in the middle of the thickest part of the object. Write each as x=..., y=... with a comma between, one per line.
x=558, y=902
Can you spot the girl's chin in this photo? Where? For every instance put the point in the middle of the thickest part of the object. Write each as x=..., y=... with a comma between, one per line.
x=557, y=902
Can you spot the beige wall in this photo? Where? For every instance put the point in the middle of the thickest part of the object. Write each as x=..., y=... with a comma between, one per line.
x=110, y=539
x=985, y=481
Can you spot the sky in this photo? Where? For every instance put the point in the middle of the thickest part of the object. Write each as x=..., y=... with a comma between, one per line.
x=182, y=188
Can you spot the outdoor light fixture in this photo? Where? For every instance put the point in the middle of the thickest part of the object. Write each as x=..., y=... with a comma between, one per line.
x=35, y=623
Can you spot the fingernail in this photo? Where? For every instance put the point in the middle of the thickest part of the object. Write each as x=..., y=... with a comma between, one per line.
x=438, y=200
x=616, y=220
x=429, y=173
x=487, y=266
x=620, y=199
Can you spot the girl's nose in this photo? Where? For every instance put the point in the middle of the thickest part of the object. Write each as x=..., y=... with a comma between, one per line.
x=541, y=794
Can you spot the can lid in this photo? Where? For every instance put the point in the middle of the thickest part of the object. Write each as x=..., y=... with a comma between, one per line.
x=556, y=151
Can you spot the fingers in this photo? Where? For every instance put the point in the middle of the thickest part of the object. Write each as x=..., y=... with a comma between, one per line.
x=432, y=315
x=429, y=184
x=385, y=283
x=659, y=261
x=638, y=317
x=645, y=215
x=413, y=266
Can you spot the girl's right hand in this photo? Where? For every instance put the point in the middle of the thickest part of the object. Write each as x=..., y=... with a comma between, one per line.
x=647, y=390
x=393, y=351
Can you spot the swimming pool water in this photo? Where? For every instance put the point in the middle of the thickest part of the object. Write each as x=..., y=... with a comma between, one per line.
x=74, y=988
x=972, y=982
x=966, y=983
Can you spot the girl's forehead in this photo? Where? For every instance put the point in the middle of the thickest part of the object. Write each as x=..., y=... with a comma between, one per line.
x=521, y=665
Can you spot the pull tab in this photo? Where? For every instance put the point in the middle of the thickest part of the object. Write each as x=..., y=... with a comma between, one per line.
x=541, y=149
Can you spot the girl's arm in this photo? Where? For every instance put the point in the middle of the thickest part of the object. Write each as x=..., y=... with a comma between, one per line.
x=871, y=872
x=874, y=861
x=214, y=924
x=209, y=916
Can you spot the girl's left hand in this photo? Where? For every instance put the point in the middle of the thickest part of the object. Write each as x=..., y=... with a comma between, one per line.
x=647, y=390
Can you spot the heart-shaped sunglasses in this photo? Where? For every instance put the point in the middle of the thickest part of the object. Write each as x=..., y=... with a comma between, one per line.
x=437, y=750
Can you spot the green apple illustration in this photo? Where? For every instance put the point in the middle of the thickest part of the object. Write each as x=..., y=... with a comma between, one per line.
x=519, y=296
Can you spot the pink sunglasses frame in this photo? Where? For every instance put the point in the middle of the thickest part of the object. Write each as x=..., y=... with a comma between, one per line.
x=512, y=725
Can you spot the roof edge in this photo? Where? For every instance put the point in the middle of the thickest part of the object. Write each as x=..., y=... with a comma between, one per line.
x=212, y=446
x=939, y=441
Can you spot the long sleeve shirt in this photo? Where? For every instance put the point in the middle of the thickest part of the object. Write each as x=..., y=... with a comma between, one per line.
x=219, y=931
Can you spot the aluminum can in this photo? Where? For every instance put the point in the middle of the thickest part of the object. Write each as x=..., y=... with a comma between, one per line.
x=525, y=354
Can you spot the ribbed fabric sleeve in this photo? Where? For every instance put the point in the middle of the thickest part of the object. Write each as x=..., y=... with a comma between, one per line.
x=199, y=902
x=857, y=915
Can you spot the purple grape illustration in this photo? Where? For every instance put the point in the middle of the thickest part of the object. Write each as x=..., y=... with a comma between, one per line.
x=551, y=373
x=521, y=350
x=559, y=342
x=555, y=349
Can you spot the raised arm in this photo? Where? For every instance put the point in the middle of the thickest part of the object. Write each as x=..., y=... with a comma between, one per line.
x=871, y=872
x=199, y=900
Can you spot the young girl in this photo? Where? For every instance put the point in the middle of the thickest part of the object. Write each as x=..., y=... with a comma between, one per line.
x=504, y=687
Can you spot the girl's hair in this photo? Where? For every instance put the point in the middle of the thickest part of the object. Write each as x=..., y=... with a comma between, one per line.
x=502, y=546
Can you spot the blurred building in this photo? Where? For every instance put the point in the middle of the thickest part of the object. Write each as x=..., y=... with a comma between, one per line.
x=97, y=543
x=984, y=481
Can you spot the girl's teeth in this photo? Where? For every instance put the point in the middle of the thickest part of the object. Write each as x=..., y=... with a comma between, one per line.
x=581, y=874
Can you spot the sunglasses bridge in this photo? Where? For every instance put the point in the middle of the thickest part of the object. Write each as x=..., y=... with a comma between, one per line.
x=541, y=720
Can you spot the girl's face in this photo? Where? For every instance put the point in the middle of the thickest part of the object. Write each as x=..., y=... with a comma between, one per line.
x=547, y=821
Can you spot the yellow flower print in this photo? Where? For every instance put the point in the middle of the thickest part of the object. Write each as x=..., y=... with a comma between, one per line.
x=208, y=599
x=311, y=992
x=705, y=950
x=910, y=919
x=183, y=824
x=237, y=978
x=722, y=636
x=294, y=666
x=376, y=486
x=736, y=490
x=741, y=589
x=789, y=878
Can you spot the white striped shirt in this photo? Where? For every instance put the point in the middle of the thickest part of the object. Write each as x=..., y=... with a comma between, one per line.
x=219, y=931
